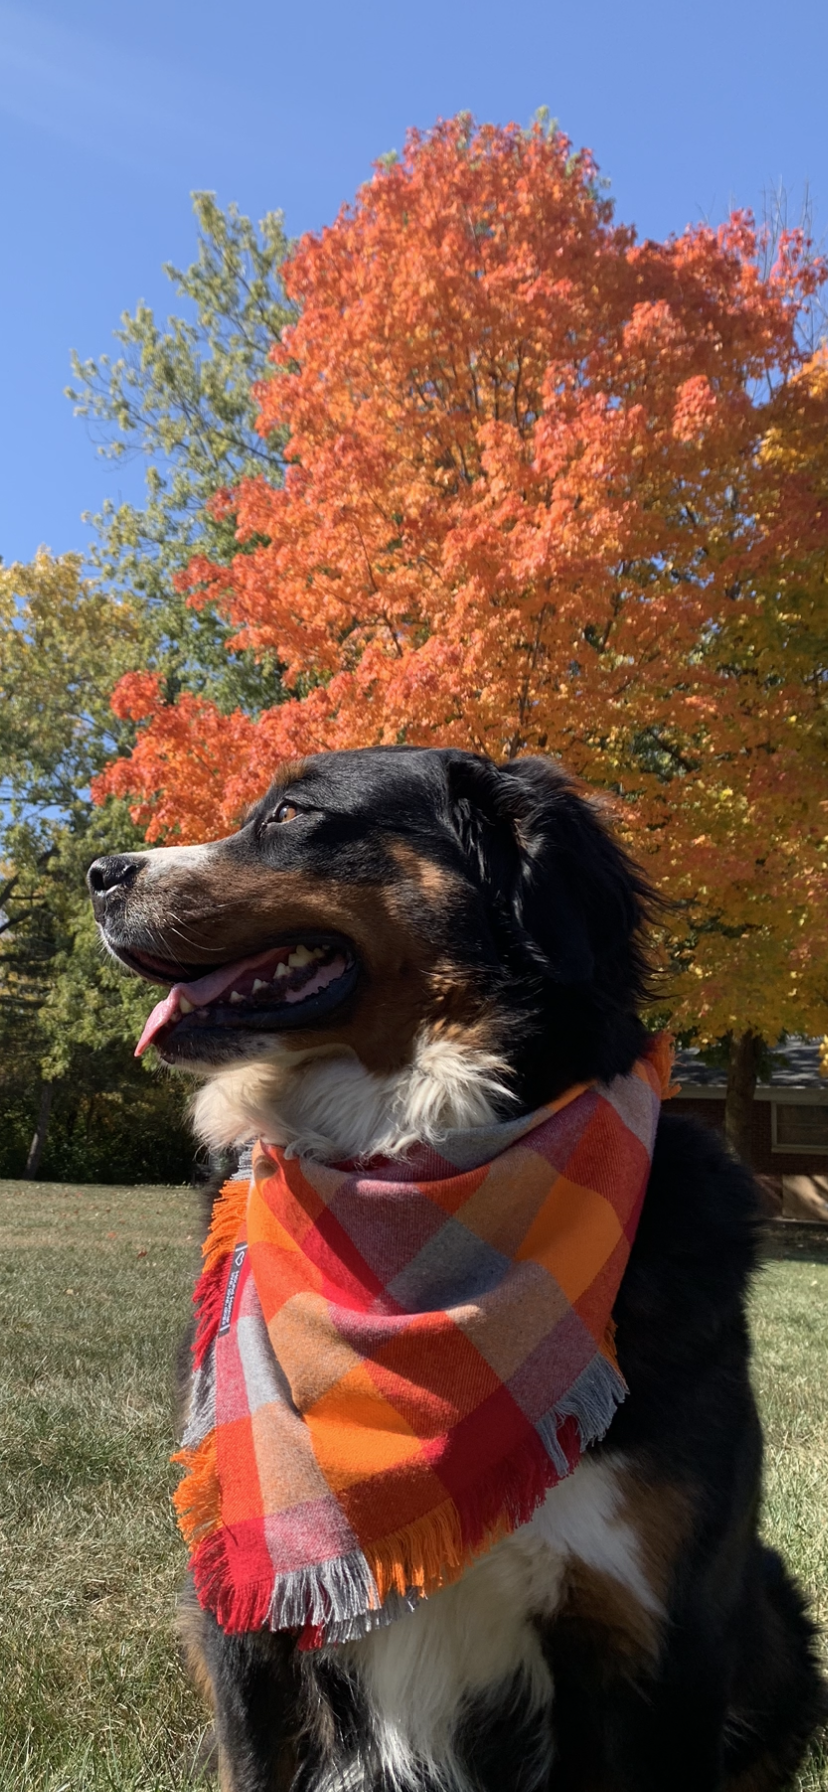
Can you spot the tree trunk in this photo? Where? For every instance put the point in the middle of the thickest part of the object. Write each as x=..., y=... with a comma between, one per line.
x=47, y=1090
x=742, y=1070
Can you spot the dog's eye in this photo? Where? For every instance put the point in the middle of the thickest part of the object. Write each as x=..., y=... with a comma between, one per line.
x=285, y=812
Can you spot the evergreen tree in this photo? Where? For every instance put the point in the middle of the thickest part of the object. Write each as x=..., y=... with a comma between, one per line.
x=184, y=398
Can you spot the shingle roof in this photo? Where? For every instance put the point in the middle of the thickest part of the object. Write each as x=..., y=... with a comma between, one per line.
x=794, y=1065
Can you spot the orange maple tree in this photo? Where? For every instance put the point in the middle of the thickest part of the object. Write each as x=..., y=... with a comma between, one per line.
x=548, y=489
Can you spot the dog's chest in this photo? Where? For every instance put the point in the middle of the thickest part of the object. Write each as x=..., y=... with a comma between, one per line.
x=477, y=1643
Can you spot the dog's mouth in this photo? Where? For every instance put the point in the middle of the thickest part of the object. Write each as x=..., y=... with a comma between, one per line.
x=290, y=985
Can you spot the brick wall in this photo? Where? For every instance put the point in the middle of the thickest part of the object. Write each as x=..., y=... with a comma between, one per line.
x=764, y=1161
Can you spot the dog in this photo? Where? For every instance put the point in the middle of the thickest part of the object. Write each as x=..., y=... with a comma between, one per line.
x=467, y=941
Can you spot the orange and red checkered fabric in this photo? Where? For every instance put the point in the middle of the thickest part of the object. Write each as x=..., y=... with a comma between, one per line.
x=394, y=1362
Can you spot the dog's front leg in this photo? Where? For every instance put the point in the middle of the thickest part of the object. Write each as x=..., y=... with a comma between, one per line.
x=623, y=1727
x=256, y=1712
x=252, y=1685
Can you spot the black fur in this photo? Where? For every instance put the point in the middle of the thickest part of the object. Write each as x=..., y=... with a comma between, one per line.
x=548, y=916
x=566, y=909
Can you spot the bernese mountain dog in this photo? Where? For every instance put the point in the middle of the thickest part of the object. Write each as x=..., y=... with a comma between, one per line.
x=467, y=941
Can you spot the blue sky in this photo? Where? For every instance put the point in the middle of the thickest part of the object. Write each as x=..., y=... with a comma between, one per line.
x=110, y=114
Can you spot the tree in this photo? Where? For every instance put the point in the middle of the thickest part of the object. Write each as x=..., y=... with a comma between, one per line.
x=182, y=398
x=547, y=488
x=68, y=1018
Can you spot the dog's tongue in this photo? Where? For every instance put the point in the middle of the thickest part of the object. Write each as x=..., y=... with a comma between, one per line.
x=200, y=993
x=161, y=1014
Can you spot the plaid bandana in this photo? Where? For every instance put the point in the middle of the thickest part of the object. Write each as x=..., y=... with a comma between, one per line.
x=395, y=1361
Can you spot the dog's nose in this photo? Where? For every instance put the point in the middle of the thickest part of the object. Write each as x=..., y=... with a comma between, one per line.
x=115, y=871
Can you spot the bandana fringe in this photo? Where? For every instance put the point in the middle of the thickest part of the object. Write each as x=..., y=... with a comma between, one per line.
x=333, y=1602
x=591, y=1404
x=335, y=1592
x=227, y=1215
x=202, y=1416
x=347, y=1630
x=236, y=1608
x=198, y=1495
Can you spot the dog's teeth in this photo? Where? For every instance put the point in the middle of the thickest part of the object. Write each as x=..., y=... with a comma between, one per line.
x=258, y=984
x=235, y=996
x=280, y=971
x=318, y=952
x=300, y=957
x=184, y=1007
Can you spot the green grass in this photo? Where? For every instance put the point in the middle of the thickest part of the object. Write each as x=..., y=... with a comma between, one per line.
x=790, y=1329
x=94, y=1293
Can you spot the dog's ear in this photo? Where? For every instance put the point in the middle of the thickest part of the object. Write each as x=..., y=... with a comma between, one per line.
x=573, y=902
x=482, y=818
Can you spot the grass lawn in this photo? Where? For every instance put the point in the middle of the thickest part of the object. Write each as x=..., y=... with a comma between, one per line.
x=94, y=1291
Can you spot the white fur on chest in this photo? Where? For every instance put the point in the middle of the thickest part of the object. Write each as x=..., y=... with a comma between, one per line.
x=472, y=1639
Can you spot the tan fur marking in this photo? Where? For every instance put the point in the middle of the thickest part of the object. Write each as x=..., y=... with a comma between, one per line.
x=189, y=1625
x=596, y=1598
x=433, y=880
x=660, y=1516
x=289, y=773
x=283, y=1774
x=762, y=1777
x=659, y=1520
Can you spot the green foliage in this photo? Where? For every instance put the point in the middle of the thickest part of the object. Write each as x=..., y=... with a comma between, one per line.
x=183, y=399
x=63, y=644
x=110, y=1119
x=68, y=1015
x=57, y=989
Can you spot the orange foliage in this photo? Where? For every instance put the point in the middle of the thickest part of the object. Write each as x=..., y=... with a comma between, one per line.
x=548, y=489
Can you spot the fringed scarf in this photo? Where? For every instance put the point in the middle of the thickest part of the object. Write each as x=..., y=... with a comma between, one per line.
x=395, y=1361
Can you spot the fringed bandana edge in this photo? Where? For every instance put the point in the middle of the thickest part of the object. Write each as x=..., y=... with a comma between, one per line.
x=394, y=1362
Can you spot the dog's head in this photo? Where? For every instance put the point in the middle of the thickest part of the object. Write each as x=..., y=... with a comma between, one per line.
x=375, y=899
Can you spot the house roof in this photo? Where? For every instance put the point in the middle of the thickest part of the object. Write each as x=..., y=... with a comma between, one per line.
x=794, y=1065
